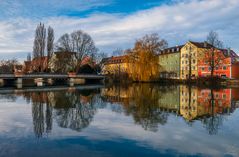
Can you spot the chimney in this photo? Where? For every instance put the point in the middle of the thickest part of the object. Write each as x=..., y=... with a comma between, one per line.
x=205, y=44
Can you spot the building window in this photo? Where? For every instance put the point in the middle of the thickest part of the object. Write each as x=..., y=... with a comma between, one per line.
x=203, y=68
x=194, y=61
x=209, y=68
x=216, y=68
x=186, y=62
x=193, y=67
x=182, y=62
x=224, y=68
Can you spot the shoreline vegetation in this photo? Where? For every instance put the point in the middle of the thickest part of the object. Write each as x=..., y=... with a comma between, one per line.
x=206, y=82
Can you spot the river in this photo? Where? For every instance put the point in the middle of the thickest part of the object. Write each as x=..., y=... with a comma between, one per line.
x=133, y=120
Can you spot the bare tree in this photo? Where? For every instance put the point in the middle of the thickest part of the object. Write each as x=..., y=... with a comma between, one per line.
x=39, y=44
x=7, y=66
x=50, y=44
x=213, y=56
x=100, y=56
x=40, y=40
x=79, y=42
x=64, y=43
x=213, y=39
x=29, y=58
x=118, y=52
x=50, y=41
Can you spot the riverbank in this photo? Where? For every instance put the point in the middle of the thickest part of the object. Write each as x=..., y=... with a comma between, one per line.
x=203, y=82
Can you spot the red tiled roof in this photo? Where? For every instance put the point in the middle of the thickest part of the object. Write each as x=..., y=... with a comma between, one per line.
x=87, y=60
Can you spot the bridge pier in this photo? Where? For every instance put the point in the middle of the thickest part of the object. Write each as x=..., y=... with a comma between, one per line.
x=1, y=82
x=71, y=82
x=50, y=81
x=19, y=83
x=102, y=81
x=39, y=82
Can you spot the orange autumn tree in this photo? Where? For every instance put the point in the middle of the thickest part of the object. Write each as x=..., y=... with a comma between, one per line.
x=144, y=57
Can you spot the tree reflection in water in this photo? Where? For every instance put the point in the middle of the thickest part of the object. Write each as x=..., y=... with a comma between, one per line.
x=214, y=120
x=74, y=110
x=145, y=108
x=78, y=115
x=38, y=118
x=150, y=105
x=140, y=101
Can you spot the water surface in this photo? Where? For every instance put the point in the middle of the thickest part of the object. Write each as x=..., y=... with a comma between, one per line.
x=135, y=120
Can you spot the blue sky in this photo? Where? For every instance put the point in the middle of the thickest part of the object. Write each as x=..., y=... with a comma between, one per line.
x=117, y=23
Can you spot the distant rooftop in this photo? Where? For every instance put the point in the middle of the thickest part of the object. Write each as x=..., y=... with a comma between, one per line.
x=169, y=50
x=202, y=44
x=114, y=59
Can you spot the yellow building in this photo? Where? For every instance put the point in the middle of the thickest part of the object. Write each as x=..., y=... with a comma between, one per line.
x=116, y=65
x=191, y=53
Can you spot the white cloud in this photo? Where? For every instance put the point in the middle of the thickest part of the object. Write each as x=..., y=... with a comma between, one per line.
x=177, y=23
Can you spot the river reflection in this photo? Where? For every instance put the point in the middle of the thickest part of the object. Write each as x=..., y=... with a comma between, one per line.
x=150, y=105
x=72, y=109
x=178, y=109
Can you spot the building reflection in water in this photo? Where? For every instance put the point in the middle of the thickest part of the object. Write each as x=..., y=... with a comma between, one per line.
x=149, y=105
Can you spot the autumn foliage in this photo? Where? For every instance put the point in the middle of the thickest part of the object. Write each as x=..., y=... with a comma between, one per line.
x=144, y=57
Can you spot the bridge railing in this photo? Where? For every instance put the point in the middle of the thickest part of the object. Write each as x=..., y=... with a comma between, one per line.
x=50, y=76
